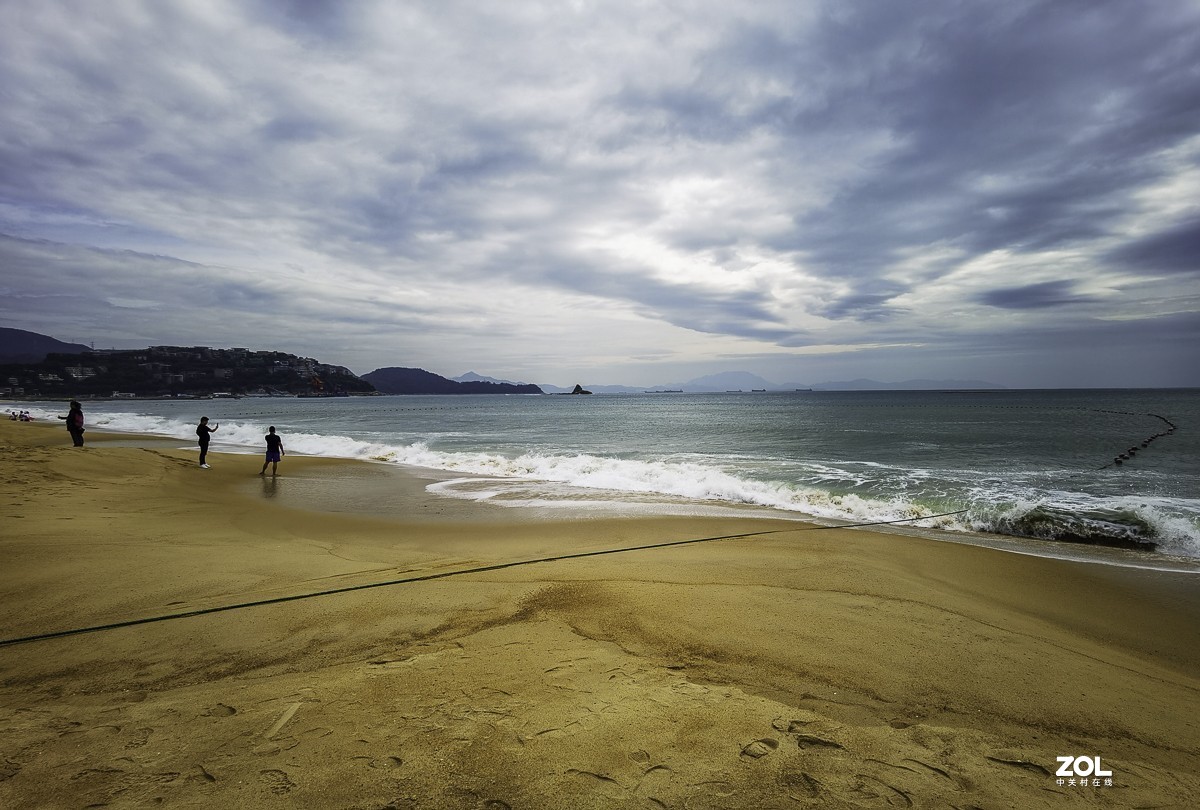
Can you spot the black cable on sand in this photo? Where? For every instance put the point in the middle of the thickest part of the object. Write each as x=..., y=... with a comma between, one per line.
x=443, y=575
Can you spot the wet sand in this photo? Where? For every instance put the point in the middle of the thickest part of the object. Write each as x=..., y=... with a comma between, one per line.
x=799, y=668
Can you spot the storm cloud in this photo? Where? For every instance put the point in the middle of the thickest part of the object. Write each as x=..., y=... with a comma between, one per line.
x=625, y=192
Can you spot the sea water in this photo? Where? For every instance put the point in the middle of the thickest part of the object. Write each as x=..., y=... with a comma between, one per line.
x=1036, y=467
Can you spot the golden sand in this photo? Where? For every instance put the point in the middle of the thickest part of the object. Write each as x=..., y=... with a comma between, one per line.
x=842, y=668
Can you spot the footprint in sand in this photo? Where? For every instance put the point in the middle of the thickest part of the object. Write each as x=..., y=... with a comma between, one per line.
x=796, y=724
x=8, y=769
x=759, y=748
x=138, y=738
x=802, y=783
x=221, y=710
x=95, y=731
x=813, y=741
x=278, y=781
x=202, y=775
x=386, y=762
x=874, y=789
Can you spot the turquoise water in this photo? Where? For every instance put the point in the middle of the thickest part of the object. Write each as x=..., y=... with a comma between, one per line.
x=1029, y=464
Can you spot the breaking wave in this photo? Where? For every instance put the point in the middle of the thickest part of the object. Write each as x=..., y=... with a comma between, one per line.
x=560, y=480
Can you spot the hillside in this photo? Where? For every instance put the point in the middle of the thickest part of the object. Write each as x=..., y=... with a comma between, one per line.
x=19, y=346
x=174, y=371
x=394, y=380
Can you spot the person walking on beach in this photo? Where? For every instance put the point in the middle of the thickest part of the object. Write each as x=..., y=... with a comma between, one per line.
x=274, y=451
x=74, y=419
x=202, y=430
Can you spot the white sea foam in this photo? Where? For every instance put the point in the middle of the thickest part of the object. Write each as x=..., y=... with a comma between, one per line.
x=582, y=480
x=690, y=480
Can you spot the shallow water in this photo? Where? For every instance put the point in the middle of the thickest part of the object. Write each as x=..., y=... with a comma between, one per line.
x=1035, y=465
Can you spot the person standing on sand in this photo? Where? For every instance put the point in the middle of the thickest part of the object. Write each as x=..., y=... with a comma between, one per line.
x=274, y=451
x=202, y=430
x=74, y=419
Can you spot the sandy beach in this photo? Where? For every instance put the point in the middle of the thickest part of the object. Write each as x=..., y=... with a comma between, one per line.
x=779, y=667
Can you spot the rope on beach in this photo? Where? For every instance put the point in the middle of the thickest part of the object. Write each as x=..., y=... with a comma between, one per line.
x=444, y=575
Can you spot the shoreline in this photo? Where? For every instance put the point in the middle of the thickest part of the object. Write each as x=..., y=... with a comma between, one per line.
x=845, y=667
x=1110, y=554
x=1100, y=526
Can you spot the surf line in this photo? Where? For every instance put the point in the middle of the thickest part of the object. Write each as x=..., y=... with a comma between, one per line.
x=444, y=575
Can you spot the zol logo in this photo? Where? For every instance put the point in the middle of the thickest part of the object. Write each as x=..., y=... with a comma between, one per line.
x=1081, y=766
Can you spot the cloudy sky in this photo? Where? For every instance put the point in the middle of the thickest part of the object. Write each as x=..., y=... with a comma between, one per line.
x=613, y=192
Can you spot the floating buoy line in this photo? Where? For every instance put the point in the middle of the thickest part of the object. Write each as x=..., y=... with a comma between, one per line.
x=1128, y=455
x=1118, y=460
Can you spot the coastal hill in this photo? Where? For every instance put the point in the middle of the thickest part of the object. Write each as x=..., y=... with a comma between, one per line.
x=395, y=380
x=177, y=371
x=34, y=365
x=19, y=346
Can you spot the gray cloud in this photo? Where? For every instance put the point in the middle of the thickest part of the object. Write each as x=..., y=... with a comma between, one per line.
x=716, y=181
x=1027, y=125
x=1174, y=250
x=1035, y=296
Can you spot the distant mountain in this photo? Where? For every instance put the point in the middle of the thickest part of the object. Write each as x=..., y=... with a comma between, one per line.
x=471, y=376
x=595, y=389
x=393, y=380
x=908, y=385
x=747, y=382
x=19, y=346
x=545, y=388
x=728, y=381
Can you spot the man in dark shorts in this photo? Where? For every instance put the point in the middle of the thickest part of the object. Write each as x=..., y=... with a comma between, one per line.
x=274, y=451
x=202, y=431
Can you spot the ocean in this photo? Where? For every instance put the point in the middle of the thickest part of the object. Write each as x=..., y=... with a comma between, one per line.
x=1029, y=471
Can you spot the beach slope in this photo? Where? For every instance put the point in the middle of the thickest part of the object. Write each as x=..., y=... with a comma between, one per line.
x=774, y=665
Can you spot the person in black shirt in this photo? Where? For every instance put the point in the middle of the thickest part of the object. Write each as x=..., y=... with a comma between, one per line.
x=274, y=451
x=202, y=430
